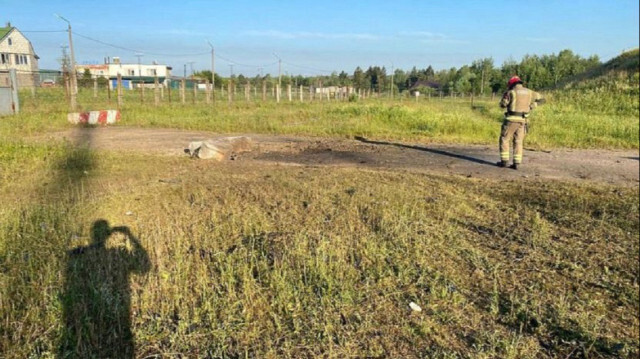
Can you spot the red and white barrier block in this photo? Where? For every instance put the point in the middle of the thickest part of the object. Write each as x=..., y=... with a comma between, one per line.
x=105, y=117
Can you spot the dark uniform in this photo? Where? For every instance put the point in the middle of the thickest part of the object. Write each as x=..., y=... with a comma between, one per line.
x=518, y=101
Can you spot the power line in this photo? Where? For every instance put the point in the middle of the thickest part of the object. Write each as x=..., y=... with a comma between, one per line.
x=241, y=64
x=43, y=30
x=235, y=63
x=137, y=50
x=176, y=55
x=307, y=67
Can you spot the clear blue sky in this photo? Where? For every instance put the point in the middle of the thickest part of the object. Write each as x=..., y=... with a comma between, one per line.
x=312, y=37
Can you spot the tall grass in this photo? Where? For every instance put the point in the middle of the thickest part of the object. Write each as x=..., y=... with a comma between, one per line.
x=244, y=260
x=576, y=120
x=250, y=261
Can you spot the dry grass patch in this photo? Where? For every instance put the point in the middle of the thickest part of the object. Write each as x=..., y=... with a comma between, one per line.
x=280, y=261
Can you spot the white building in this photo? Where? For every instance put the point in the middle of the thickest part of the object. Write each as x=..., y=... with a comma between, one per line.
x=17, y=53
x=132, y=74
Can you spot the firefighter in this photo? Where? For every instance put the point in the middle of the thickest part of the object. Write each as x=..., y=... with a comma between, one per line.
x=518, y=102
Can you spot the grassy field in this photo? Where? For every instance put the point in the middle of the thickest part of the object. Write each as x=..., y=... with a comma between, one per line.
x=115, y=254
x=584, y=120
x=244, y=261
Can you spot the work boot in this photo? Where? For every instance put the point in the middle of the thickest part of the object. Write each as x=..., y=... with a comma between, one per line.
x=502, y=163
x=515, y=166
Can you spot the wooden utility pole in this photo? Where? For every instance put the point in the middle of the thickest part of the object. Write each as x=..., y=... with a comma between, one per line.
x=74, y=80
x=213, y=73
x=141, y=92
x=264, y=90
x=279, y=70
x=140, y=80
x=278, y=93
x=67, y=87
x=207, y=90
x=156, y=91
x=95, y=87
x=195, y=90
x=301, y=94
x=392, y=73
x=119, y=84
x=183, y=90
x=289, y=92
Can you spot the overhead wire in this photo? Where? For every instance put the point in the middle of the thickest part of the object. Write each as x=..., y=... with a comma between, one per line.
x=307, y=67
x=241, y=64
x=162, y=54
x=217, y=55
x=136, y=50
x=43, y=30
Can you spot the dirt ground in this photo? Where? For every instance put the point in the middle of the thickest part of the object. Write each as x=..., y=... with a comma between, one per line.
x=619, y=167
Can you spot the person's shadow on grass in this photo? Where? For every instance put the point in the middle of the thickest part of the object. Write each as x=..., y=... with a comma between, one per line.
x=97, y=296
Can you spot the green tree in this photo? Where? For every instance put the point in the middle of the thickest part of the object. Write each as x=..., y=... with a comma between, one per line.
x=86, y=80
x=483, y=70
x=429, y=73
x=359, y=80
x=412, y=77
x=400, y=80
x=376, y=77
x=343, y=79
x=464, y=80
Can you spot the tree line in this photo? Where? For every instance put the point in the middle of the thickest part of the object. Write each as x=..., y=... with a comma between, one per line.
x=480, y=77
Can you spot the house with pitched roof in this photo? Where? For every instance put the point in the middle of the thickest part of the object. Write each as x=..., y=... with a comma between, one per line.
x=16, y=52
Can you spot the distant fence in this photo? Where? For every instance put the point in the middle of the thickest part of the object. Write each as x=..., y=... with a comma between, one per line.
x=98, y=92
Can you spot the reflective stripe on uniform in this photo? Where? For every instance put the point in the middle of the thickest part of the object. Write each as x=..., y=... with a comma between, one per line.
x=504, y=155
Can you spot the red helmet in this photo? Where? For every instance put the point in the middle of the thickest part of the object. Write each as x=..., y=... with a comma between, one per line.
x=514, y=80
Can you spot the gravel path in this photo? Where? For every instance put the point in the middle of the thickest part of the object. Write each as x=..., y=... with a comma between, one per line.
x=605, y=166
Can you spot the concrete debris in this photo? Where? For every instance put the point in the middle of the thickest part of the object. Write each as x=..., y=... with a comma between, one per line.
x=415, y=307
x=220, y=148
